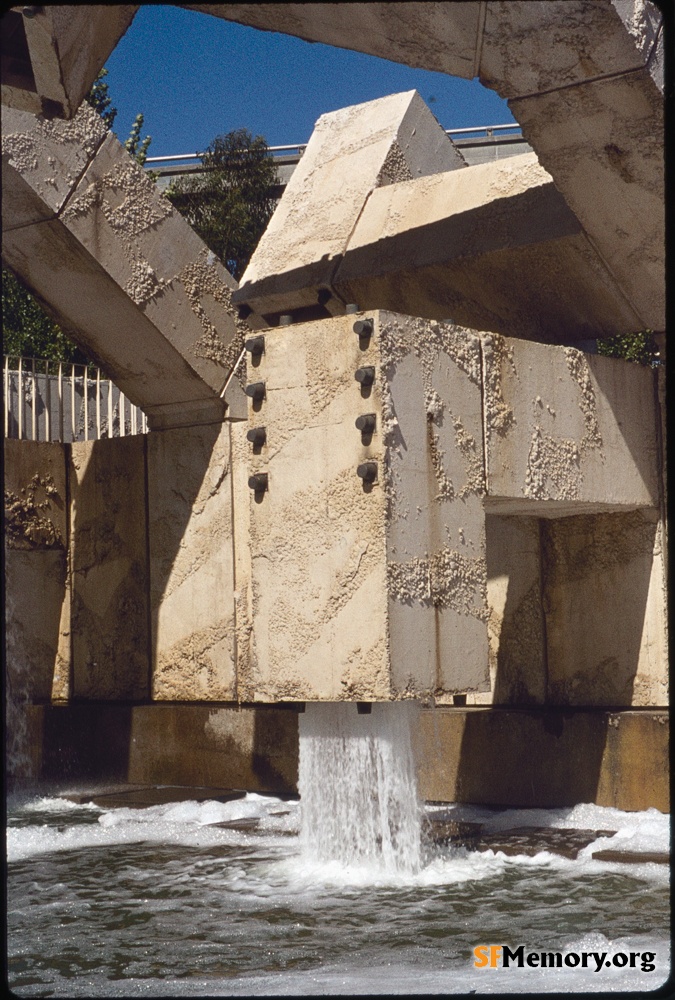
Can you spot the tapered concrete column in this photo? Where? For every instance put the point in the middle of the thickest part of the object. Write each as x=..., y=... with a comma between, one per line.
x=118, y=267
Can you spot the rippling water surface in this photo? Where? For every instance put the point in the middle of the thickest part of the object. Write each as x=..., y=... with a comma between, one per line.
x=165, y=902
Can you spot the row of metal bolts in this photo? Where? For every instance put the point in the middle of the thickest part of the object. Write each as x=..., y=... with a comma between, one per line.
x=366, y=423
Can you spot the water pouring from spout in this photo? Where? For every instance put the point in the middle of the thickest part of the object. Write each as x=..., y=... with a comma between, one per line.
x=358, y=787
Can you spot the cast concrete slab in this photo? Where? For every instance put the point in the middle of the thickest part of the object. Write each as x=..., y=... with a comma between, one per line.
x=562, y=425
x=351, y=152
x=495, y=247
x=367, y=591
x=108, y=556
x=603, y=144
x=191, y=564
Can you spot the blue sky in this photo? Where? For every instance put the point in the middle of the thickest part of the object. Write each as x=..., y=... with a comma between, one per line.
x=195, y=76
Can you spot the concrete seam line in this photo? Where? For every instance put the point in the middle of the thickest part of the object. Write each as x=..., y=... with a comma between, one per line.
x=26, y=225
x=478, y=52
x=81, y=174
x=579, y=83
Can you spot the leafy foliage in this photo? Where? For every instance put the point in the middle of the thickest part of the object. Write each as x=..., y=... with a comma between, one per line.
x=638, y=347
x=230, y=204
x=100, y=100
x=28, y=331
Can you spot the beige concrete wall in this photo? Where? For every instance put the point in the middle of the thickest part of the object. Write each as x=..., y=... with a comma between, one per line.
x=37, y=599
x=565, y=428
x=190, y=539
x=109, y=569
x=368, y=592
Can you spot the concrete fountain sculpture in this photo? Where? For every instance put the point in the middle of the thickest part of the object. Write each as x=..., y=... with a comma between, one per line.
x=399, y=499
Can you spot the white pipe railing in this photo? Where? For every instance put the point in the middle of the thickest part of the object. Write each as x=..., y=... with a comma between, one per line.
x=68, y=405
x=300, y=147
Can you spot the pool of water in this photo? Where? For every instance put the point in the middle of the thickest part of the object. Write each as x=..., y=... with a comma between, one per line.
x=163, y=901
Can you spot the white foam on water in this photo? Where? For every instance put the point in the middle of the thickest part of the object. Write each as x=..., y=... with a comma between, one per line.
x=358, y=787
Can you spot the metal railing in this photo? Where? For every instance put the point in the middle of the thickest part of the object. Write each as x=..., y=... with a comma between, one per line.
x=60, y=401
x=299, y=148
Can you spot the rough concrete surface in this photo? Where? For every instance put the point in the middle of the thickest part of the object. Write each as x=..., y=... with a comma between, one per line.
x=191, y=564
x=495, y=247
x=109, y=569
x=351, y=152
x=562, y=425
x=345, y=575
x=119, y=268
x=606, y=611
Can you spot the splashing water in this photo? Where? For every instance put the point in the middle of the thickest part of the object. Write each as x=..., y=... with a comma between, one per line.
x=358, y=787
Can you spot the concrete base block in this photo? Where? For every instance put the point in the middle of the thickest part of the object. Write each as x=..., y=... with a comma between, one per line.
x=224, y=747
x=545, y=757
x=618, y=759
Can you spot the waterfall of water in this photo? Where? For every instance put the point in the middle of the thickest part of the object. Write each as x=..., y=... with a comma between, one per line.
x=358, y=787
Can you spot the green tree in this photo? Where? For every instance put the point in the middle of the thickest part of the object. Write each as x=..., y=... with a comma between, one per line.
x=230, y=204
x=638, y=347
x=26, y=329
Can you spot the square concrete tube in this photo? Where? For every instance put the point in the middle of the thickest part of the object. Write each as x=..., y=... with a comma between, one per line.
x=567, y=431
x=57, y=53
x=118, y=267
x=495, y=247
x=367, y=591
x=351, y=152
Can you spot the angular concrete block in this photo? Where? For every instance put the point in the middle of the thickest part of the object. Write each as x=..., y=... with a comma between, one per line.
x=603, y=144
x=494, y=247
x=367, y=590
x=351, y=152
x=119, y=268
x=563, y=428
x=145, y=245
x=109, y=569
x=43, y=160
x=191, y=564
x=606, y=610
x=533, y=47
x=57, y=53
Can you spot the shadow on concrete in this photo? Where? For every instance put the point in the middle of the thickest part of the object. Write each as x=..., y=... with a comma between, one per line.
x=569, y=645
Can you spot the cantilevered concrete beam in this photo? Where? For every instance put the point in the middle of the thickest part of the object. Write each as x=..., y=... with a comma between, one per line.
x=583, y=78
x=351, y=153
x=494, y=247
x=117, y=266
x=52, y=54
